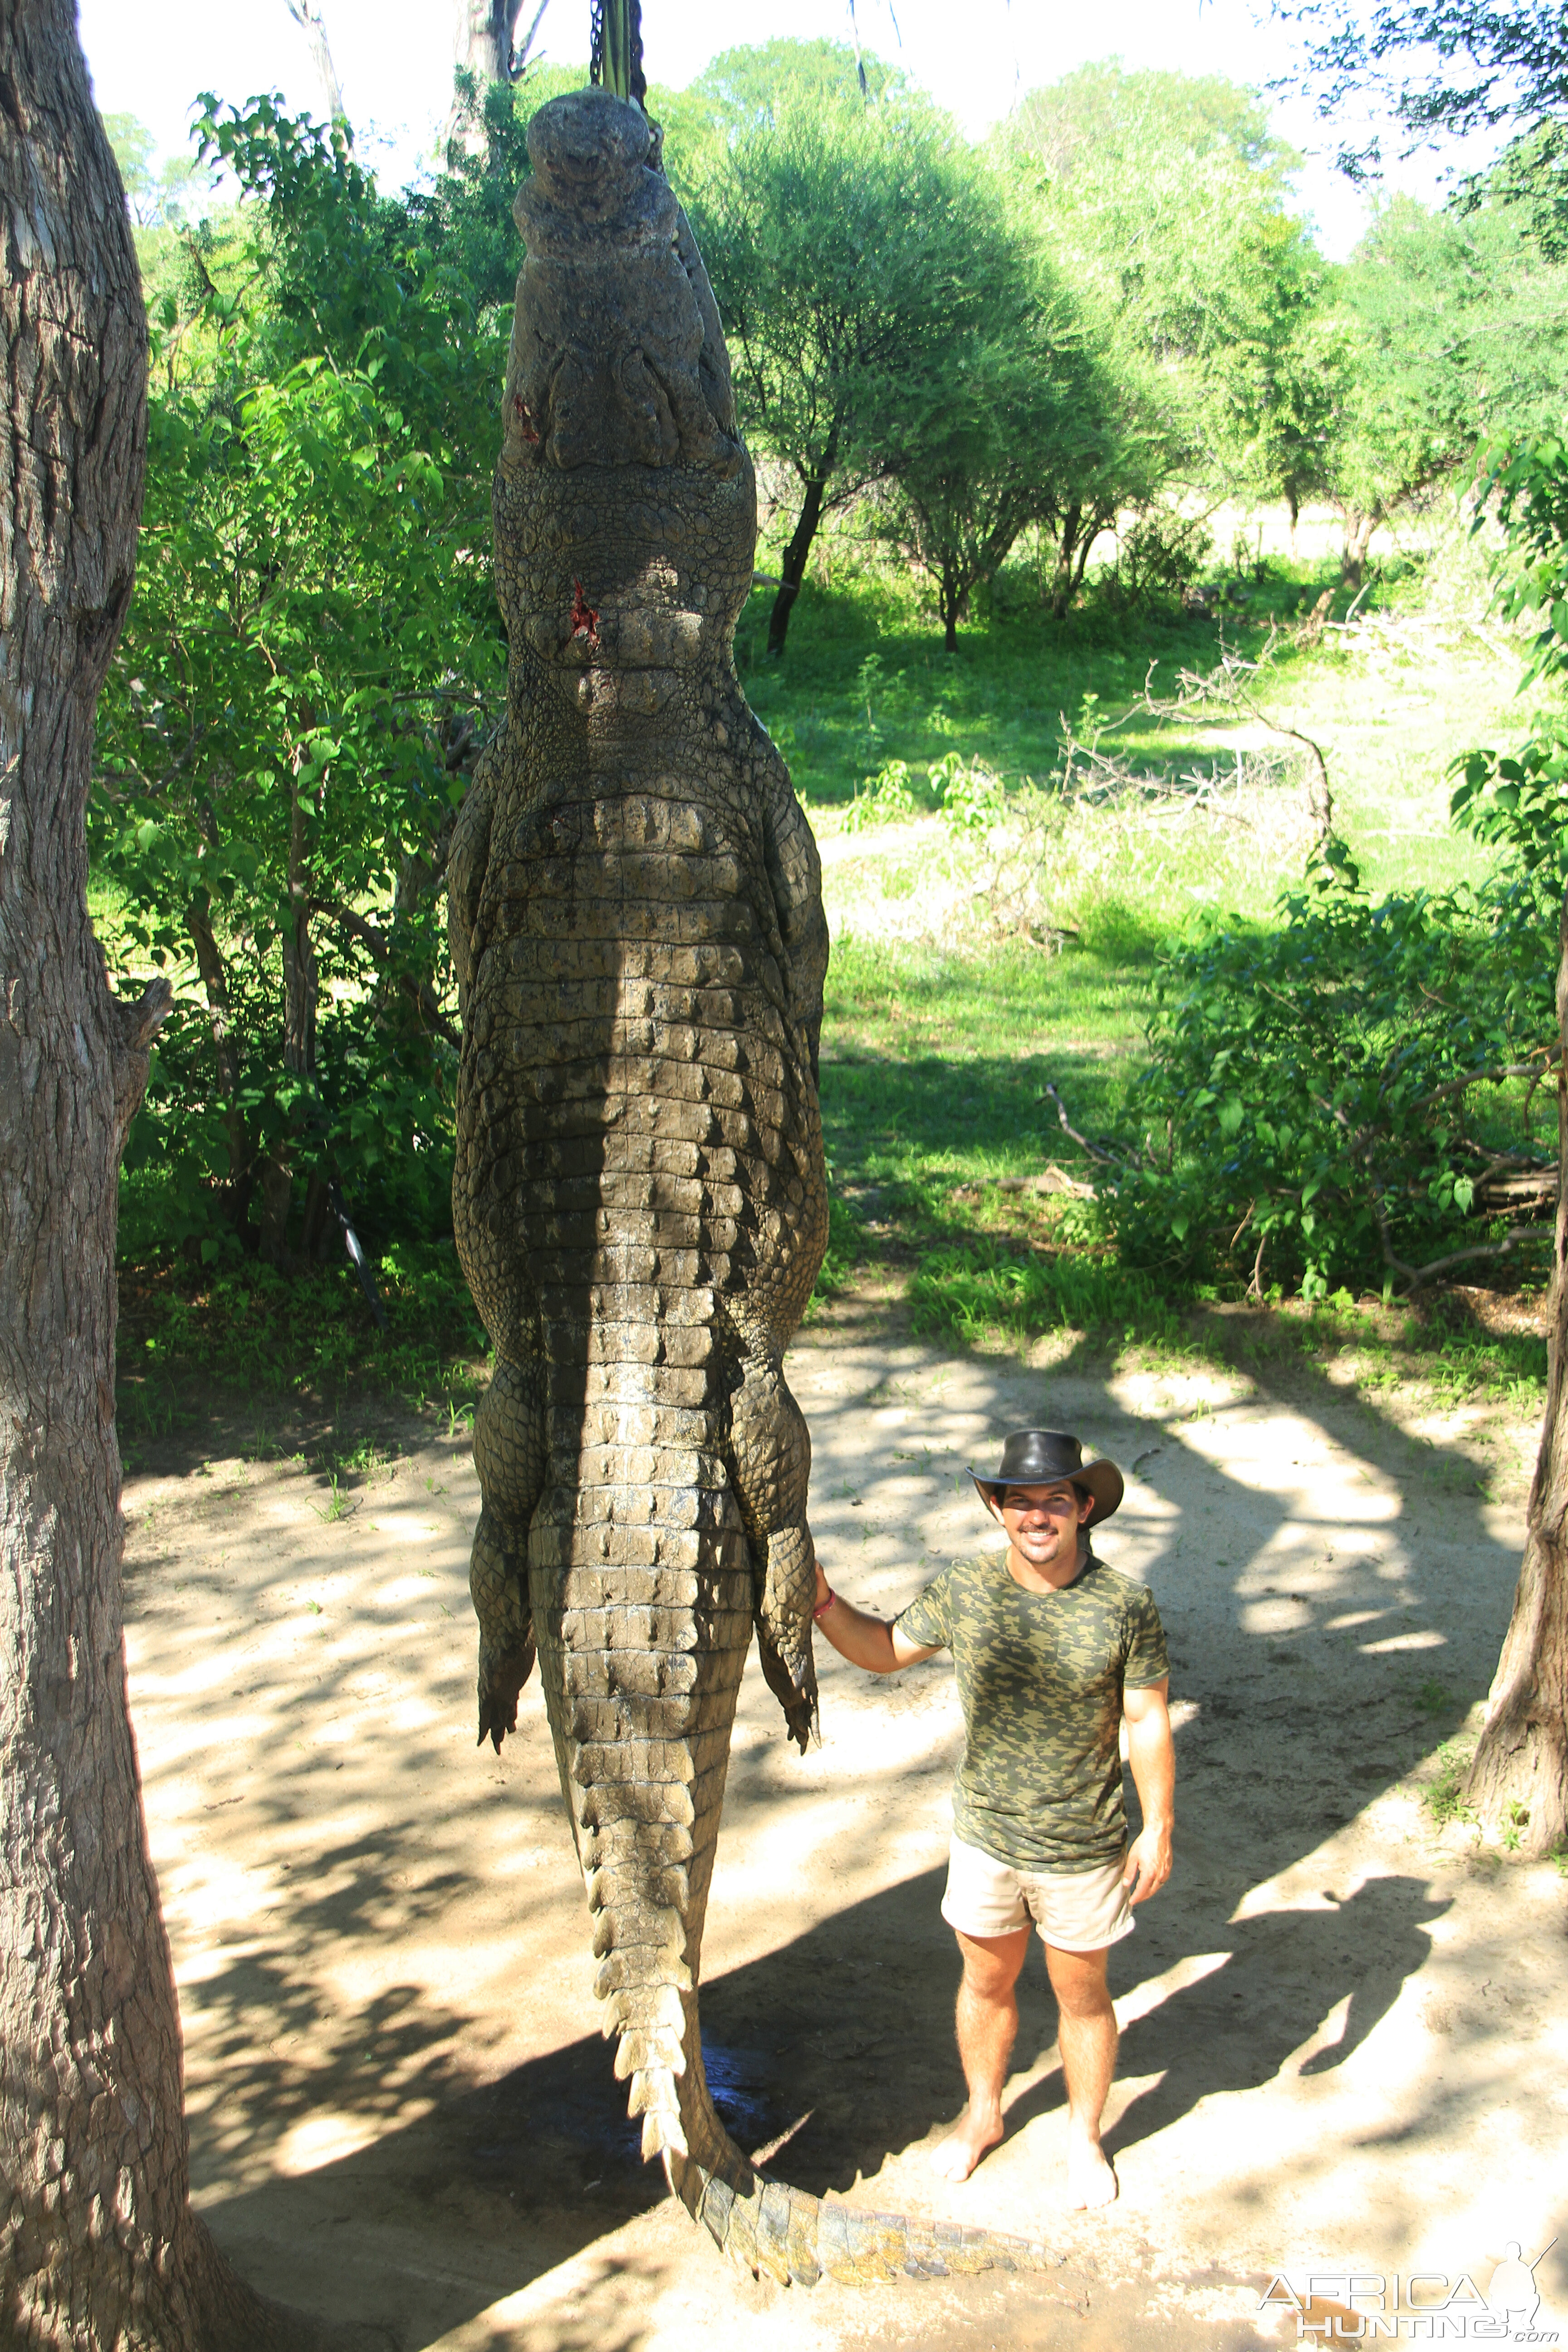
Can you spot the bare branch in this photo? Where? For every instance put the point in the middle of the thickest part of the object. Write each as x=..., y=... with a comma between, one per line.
x=1106, y=1158
x=1420, y=1275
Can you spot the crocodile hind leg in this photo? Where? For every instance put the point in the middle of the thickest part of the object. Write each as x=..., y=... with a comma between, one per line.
x=508, y=1455
x=770, y=1458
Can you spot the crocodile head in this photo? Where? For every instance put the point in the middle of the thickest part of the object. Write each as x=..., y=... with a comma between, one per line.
x=625, y=502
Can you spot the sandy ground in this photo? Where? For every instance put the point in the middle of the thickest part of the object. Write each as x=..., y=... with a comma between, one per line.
x=1344, y=2032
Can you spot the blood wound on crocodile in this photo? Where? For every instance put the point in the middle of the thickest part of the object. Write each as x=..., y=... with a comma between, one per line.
x=584, y=617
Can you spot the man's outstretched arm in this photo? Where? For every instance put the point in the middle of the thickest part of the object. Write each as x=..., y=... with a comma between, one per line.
x=869, y=1641
x=1152, y=1752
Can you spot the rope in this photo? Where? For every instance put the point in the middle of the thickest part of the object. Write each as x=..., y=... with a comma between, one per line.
x=621, y=20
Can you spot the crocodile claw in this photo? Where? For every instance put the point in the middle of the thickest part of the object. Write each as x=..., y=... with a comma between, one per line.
x=501, y=1681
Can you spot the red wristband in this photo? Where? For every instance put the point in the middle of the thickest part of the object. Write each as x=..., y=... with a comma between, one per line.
x=818, y=1614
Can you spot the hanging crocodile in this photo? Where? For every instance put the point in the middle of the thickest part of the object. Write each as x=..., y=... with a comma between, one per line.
x=640, y=1198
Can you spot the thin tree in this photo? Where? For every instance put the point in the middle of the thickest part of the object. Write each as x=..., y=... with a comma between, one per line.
x=1518, y=1780
x=99, y=2246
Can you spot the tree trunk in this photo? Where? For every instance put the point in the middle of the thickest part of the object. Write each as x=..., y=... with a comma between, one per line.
x=483, y=50
x=1358, y=529
x=791, y=571
x=1518, y=1782
x=98, y=2247
x=947, y=599
x=214, y=981
x=301, y=990
x=1062, y=583
x=307, y=14
x=301, y=980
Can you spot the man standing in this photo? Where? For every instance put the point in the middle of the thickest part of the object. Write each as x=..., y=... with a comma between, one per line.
x=1053, y=1650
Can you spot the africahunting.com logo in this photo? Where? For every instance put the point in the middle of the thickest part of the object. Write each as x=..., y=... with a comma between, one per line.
x=1416, y=2307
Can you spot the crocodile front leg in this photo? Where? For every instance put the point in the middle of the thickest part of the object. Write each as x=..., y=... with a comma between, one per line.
x=509, y=1456
x=769, y=1455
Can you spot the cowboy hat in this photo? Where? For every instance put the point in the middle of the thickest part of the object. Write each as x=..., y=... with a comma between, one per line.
x=1039, y=1457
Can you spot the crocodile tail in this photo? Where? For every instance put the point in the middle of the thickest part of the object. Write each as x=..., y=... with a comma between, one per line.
x=766, y=2225
x=641, y=1661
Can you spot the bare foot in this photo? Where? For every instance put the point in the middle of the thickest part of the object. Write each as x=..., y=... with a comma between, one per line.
x=957, y=2157
x=1091, y=2180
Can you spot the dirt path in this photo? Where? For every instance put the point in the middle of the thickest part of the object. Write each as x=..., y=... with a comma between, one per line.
x=1343, y=2033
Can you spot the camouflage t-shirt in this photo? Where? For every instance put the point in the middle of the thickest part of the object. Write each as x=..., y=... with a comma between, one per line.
x=1040, y=1676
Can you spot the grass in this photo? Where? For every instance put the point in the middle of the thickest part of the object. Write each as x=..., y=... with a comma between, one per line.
x=1443, y=1792
x=980, y=1288
x=865, y=680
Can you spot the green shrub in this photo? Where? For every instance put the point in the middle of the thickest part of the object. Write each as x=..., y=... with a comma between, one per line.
x=1326, y=1100
x=244, y=1328
x=882, y=799
x=1157, y=555
x=973, y=796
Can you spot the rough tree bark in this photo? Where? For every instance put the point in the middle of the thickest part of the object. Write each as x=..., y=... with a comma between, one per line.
x=1518, y=1783
x=98, y=2247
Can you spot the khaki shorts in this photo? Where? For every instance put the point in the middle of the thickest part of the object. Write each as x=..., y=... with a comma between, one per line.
x=1078, y=1910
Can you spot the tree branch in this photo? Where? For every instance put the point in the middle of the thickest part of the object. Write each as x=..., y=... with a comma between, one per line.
x=1106, y=1158
x=1419, y=1276
x=419, y=992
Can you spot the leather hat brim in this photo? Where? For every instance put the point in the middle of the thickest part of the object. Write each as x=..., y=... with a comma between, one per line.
x=1102, y=1478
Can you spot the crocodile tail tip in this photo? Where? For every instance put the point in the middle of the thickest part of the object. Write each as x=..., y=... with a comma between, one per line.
x=799, y=2240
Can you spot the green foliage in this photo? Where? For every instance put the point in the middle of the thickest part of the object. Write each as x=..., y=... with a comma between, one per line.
x=1442, y=69
x=1157, y=553
x=1166, y=214
x=972, y=797
x=1529, y=477
x=1326, y=1098
x=158, y=200
x=1447, y=329
x=309, y=649
x=1519, y=800
x=1017, y=426
x=247, y=1329
x=856, y=251
x=747, y=88
x=1009, y=351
